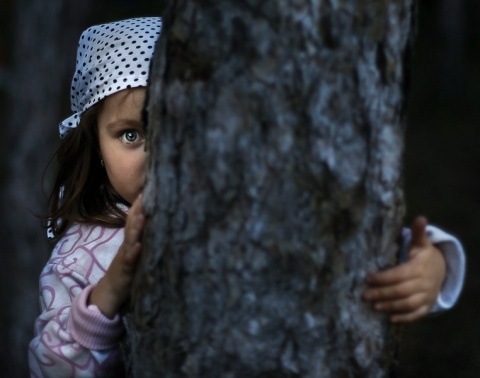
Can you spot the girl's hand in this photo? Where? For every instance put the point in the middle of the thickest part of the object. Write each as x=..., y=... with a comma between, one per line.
x=113, y=290
x=409, y=290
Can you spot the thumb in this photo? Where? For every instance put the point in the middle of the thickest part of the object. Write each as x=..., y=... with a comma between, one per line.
x=419, y=234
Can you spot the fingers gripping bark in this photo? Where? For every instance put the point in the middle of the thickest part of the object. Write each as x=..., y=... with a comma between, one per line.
x=113, y=290
x=408, y=291
x=132, y=246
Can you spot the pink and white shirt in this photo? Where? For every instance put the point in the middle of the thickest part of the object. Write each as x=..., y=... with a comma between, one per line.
x=71, y=338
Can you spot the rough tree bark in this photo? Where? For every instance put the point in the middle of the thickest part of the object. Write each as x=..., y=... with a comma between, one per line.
x=274, y=186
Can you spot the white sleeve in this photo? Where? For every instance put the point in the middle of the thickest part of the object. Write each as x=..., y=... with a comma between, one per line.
x=454, y=255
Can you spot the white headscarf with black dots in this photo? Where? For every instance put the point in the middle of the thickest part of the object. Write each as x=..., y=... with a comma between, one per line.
x=111, y=57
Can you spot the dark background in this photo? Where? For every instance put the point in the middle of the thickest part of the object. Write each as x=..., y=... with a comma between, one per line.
x=443, y=176
x=442, y=167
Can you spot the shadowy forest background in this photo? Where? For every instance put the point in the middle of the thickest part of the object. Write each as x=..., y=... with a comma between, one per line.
x=442, y=167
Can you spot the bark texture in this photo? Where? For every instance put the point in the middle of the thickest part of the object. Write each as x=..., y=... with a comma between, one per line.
x=274, y=187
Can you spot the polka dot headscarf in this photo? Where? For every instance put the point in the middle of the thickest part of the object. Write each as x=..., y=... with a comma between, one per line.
x=111, y=57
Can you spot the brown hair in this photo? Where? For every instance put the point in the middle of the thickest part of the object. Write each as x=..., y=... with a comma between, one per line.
x=81, y=191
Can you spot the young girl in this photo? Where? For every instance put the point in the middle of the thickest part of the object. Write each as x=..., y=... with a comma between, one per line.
x=86, y=282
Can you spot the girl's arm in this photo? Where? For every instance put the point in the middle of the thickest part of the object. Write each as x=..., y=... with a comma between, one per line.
x=430, y=280
x=72, y=340
x=78, y=333
x=113, y=290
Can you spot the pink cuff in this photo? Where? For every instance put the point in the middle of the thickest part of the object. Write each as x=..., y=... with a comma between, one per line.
x=90, y=328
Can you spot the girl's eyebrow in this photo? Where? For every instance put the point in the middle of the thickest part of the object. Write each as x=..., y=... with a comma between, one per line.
x=124, y=122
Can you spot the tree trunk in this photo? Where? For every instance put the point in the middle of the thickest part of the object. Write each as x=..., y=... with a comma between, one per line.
x=45, y=37
x=274, y=187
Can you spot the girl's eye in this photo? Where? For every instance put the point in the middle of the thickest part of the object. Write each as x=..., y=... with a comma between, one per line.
x=131, y=136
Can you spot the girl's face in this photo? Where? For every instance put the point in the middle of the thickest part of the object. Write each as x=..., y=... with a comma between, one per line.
x=121, y=140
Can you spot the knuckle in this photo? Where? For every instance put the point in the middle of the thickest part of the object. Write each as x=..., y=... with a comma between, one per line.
x=411, y=304
x=397, y=291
